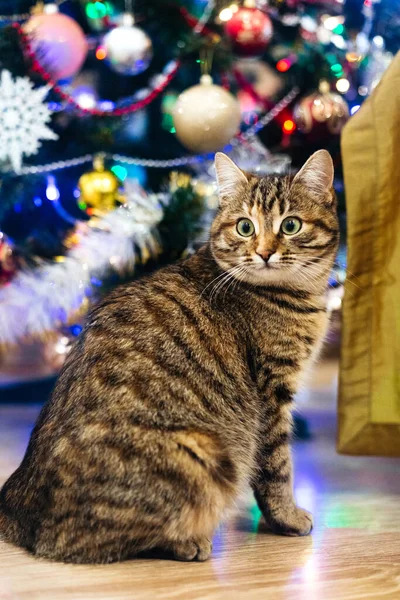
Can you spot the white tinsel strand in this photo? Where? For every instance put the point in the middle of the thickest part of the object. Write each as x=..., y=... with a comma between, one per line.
x=39, y=300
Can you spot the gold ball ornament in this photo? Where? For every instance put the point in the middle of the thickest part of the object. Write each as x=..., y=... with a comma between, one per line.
x=206, y=117
x=99, y=189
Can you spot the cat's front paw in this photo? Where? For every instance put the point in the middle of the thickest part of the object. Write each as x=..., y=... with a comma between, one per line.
x=199, y=549
x=291, y=520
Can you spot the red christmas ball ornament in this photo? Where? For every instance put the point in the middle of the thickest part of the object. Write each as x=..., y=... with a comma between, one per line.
x=321, y=113
x=8, y=262
x=250, y=30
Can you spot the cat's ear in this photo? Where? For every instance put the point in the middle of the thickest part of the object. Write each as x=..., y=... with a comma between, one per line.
x=317, y=175
x=229, y=177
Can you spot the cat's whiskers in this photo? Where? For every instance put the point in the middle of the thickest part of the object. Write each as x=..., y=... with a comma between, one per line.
x=238, y=277
x=347, y=272
x=312, y=283
x=218, y=277
x=227, y=280
x=313, y=270
x=311, y=275
x=310, y=267
x=234, y=276
x=323, y=261
x=340, y=266
x=224, y=278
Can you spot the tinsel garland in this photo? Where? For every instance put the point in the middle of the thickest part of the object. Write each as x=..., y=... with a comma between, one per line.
x=39, y=300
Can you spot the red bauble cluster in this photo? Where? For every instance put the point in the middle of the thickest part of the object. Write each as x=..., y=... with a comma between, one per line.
x=321, y=113
x=250, y=31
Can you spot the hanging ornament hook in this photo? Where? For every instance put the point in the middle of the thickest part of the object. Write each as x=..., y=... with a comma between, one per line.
x=128, y=18
x=129, y=6
x=206, y=59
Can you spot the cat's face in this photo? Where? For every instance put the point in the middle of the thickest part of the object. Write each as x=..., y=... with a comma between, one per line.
x=276, y=229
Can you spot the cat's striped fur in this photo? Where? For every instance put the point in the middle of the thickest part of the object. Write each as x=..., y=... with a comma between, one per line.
x=180, y=388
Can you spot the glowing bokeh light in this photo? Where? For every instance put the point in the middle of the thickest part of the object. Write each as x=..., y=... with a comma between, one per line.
x=120, y=172
x=226, y=14
x=283, y=65
x=332, y=23
x=101, y=53
x=52, y=192
x=343, y=85
x=86, y=100
x=289, y=126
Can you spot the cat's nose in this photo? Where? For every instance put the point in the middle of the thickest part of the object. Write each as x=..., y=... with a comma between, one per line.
x=265, y=255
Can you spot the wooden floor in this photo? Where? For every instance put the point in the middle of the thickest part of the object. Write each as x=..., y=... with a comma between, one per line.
x=354, y=551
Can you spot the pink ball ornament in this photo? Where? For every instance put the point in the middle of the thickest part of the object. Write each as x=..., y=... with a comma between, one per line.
x=58, y=42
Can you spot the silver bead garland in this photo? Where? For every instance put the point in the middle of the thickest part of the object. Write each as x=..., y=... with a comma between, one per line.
x=154, y=163
x=24, y=16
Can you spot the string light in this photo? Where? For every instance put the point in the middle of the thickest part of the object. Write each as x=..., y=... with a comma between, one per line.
x=120, y=172
x=289, y=126
x=378, y=41
x=283, y=65
x=86, y=100
x=339, y=42
x=77, y=329
x=354, y=109
x=226, y=14
x=343, y=85
x=98, y=10
x=101, y=53
x=337, y=69
x=333, y=23
x=339, y=29
x=52, y=192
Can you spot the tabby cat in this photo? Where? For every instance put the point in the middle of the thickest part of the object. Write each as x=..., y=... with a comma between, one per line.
x=180, y=389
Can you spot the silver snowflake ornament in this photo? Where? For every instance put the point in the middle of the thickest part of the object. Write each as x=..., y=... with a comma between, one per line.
x=23, y=118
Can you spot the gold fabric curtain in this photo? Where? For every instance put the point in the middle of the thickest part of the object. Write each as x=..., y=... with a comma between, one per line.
x=369, y=386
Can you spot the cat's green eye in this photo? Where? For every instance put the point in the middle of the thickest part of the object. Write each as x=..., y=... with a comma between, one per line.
x=245, y=227
x=291, y=225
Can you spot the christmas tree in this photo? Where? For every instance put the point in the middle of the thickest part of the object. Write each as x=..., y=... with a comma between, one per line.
x=110, y=115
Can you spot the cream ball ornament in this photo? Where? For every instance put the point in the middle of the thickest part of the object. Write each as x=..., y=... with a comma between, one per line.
x=128, y=48
x=206, y=117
